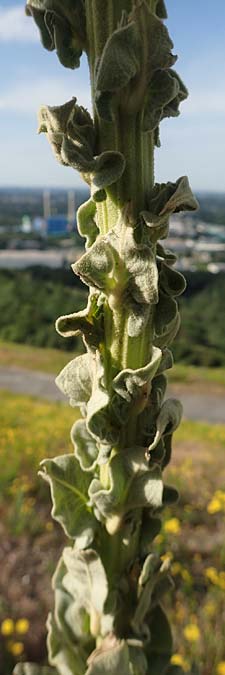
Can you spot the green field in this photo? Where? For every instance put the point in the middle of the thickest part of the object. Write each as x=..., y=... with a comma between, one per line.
x=193, y=533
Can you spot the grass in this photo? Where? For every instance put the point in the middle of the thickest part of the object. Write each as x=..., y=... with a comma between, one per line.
x=33, y=358
x=193, y=534
x=53, y=360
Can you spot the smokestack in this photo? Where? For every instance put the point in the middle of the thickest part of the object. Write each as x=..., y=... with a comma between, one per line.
x=46, y=204
x=71, y=209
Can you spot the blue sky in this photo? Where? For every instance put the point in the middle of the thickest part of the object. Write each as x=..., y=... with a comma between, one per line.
x=193, y=144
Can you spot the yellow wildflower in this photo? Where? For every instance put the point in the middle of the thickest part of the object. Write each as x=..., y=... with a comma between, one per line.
x=217, y=502
x=178, y=660
x=49, y=526
x=214, y=506
x=22, y=626
x=212, y=574
x=172, y=526
x=16, y=648
x=7, y=627
x=192, y=632
x=210, y=609
x=220, y=670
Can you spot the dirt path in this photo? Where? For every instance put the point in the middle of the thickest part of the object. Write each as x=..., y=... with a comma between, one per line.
x=197, y=406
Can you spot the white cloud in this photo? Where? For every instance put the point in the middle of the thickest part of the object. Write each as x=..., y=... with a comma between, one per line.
x=26, y=97
x=16, y=26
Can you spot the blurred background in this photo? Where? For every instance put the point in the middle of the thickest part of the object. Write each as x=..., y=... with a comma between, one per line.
x=38, y=243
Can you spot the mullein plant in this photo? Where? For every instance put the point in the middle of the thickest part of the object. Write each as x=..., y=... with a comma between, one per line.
x=108, y=494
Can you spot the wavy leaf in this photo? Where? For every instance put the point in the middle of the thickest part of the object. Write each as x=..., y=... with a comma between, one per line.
x=168, y=420
x=169, y=333
x=130, y=484
x=110, y=659
x=171, y=281
x=63, y=654
x=95, y=266
x=109, y=167
x=120, y=60
x=85, y=448
x=152, y=583
x=137, y=280
x=75, y=380
x=167, y=198
x=128, y=54
x=165, y=93
x=62, y=27
x=86, y=223
x=88, y=322
x=69, y=490
x=86, y=581
x=129, y=382
x=166, y=314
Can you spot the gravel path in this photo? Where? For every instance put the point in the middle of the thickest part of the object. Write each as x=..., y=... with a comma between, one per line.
x=197, y=406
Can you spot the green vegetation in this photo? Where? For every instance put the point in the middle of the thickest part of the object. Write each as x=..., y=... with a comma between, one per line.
x=30, y=302
x=201, y=338
x=109, y=494
x=196, y=548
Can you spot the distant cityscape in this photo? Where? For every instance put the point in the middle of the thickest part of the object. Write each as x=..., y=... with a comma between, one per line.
x=39, y=228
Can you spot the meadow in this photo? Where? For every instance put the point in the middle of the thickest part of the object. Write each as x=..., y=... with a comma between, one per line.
x=193, y=534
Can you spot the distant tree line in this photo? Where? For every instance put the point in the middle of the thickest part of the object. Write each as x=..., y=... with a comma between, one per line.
x=31, y=300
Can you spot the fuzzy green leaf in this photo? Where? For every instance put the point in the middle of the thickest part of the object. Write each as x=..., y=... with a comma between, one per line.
x=169, y=332
x=130, y=58
x=171, y=281
x=166, y=255
x=95, y=266
x=170, y=198
x=70, y=131
x=129, y=382
x=62, y=27
x=69, y=491
x=87, y=322
x=113, y=258
x=85, y=447
x=109, y=167
x=75, y=380
x=110, y=660
x=86, y=224
x=168, y=420
x=152, y=583
x=119, y=62
x=63, y=654
x=131, y=484
x=86, y=581
x=166, y=313
x=165, y=93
